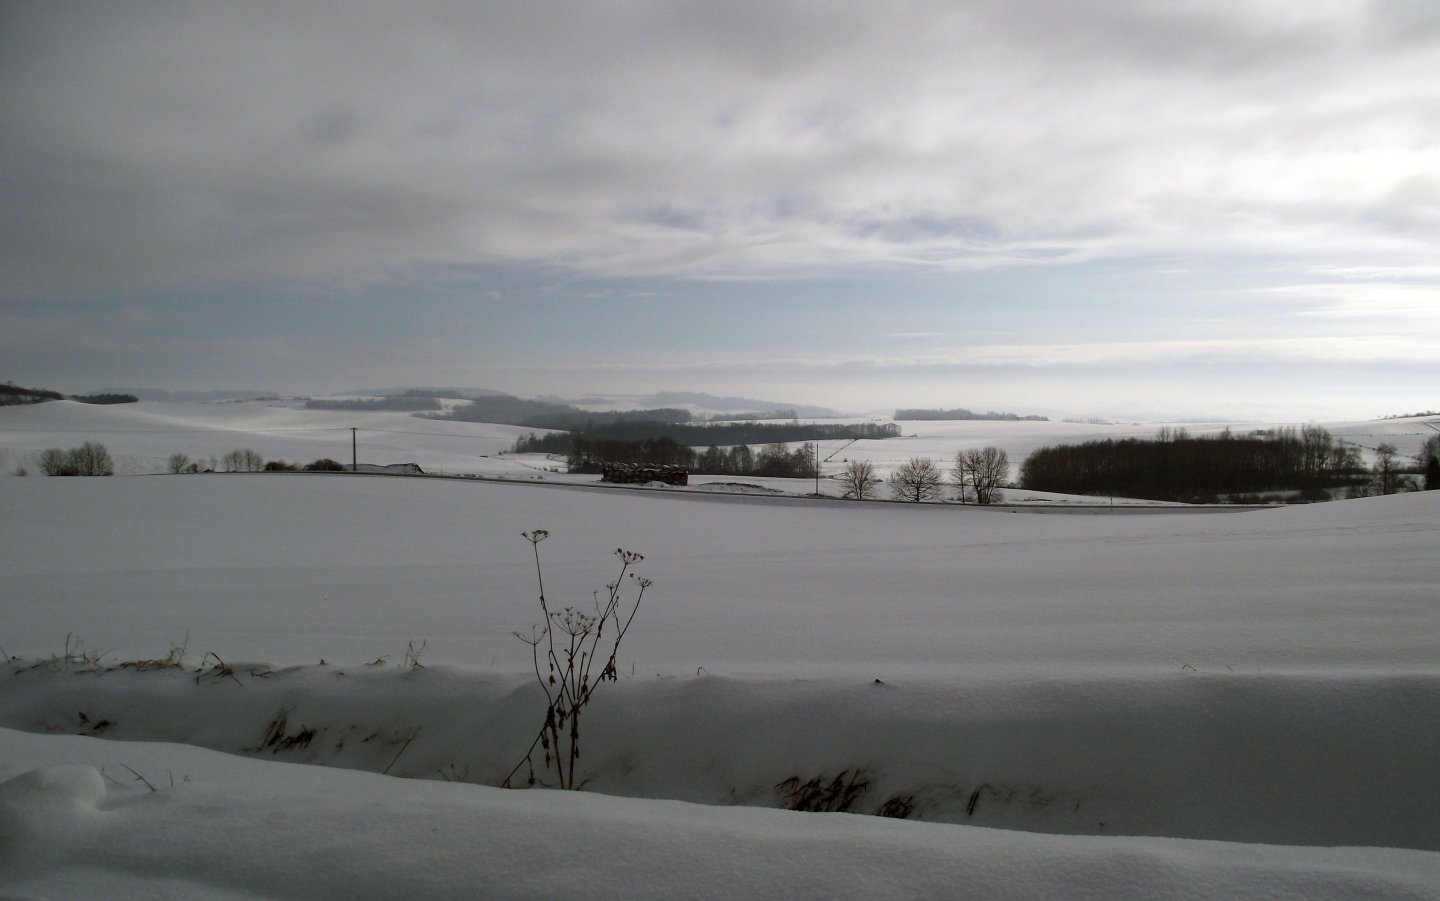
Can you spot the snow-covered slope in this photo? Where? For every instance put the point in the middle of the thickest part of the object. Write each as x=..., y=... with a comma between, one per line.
x=142, y=436
x=231, y=828
x=290, y=568
x=1264, y=679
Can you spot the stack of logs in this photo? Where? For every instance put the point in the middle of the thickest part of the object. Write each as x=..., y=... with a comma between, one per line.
x=644, y=473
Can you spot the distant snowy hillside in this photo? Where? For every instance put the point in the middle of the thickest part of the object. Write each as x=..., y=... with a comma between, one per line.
x=142, y=436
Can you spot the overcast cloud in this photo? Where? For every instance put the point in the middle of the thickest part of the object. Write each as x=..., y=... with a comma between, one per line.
x=898, y=186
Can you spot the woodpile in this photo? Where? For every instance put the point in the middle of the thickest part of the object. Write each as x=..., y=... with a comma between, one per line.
x=644, y=474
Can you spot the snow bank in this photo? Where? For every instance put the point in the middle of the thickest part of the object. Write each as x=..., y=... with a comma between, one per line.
x=1282, y=760
x=233, y=828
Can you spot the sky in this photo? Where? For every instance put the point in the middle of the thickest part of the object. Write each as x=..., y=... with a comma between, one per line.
x=1171, y=209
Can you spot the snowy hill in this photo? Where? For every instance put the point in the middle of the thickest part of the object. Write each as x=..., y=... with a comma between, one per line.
x=142, y=436
x=1238, y=693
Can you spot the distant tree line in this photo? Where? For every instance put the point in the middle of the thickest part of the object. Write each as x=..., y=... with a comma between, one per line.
x=246, y=460
x=549, y=443
x=105, y=398
x=690, y=434
x=12, y=395
x=727, y=434
x=582, y=421
x=922, y=415
x=643, y=424
x=591, y=455
x=398, y=403
x=1177, y=467
x=506, y=409
x=89, y=459
x=757, y=414
x=774, y=460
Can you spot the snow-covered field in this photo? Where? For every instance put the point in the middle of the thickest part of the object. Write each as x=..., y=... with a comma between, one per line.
x=1148, y=702
x=141, y=437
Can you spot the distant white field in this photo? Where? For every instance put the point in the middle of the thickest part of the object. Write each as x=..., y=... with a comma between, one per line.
x=290, y=568
x=141, y=437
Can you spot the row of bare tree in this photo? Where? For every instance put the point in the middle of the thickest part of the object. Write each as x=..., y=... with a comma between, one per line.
x=978, y=475
x=89, y=459
x=238, y=460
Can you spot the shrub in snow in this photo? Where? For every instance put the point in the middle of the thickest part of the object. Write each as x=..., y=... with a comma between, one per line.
x=244, y=460
x=570, y=642
x=822, y=794
x=89, y=459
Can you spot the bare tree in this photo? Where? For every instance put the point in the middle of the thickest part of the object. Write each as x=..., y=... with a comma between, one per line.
x=91, y=459
x=52, y=462
x=917, y=480
x=1316, y=445
x=859, y=480
x=1387, y=469
x=960, y=477
x=177, y=463
x=982, y=470
x=1428, y=460
x=243, y=461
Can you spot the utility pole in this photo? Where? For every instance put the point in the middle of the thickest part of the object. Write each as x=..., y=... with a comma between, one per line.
x=817, y=467
x=354, y=458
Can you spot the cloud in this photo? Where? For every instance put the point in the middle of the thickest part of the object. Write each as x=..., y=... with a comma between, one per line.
x=1283, y=352
x=1372, y=302
x=160, y=147
x=1268, y=351
x=1376, y=271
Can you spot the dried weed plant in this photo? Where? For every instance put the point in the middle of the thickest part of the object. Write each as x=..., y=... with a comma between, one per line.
x=570, y=642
